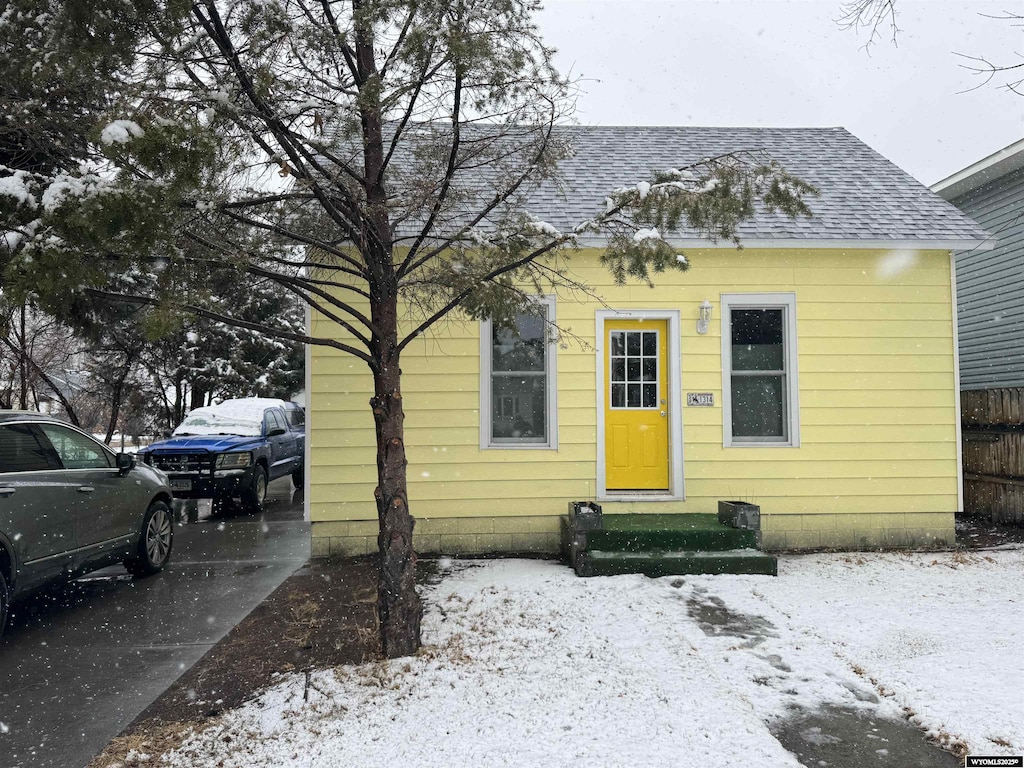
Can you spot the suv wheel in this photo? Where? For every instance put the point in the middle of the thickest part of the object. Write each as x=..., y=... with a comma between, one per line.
x=155, y=542
x=256, y=494
x=4, y=602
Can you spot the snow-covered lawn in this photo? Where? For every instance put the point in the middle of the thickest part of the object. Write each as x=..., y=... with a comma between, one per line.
x=527, y=665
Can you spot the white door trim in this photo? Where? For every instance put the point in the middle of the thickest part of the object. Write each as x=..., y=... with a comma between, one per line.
x=675, y=403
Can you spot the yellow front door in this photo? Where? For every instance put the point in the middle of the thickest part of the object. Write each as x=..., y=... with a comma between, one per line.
x=635, y=403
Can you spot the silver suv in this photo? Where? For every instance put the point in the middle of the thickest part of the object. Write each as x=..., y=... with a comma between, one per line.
x=69, y=505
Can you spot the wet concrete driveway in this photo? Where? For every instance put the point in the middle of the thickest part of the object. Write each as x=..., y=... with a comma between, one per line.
x=78, y=663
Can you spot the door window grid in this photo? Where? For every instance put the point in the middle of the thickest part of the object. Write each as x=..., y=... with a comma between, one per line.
x=634, y=369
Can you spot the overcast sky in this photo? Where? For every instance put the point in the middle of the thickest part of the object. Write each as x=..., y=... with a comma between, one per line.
x=787, y=63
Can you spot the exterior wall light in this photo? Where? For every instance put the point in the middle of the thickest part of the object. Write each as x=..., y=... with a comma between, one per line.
x=704, y=319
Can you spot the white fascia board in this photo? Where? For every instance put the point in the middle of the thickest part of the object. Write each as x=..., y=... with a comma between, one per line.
x=965, y=244
x=997, y=164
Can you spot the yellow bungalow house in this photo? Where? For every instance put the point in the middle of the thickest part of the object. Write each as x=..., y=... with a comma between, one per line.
x=812, y=373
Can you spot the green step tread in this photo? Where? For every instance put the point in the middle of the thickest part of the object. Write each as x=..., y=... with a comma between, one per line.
x=685, y=521
x=742, y=561
x=688, y=531
x=721, y=538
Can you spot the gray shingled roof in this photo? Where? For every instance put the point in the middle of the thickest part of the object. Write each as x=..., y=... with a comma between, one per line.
x=863, y=197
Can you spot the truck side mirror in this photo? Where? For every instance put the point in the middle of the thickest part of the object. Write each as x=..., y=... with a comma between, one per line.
x=275, y=432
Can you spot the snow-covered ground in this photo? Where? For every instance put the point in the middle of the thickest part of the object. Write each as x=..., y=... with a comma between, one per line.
x=527, y=665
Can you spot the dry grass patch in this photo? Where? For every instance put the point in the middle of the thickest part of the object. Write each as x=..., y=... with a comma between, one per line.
x=142, y=748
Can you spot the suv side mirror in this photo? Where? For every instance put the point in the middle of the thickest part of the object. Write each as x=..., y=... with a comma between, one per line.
x=275, y=432
x=125, y=462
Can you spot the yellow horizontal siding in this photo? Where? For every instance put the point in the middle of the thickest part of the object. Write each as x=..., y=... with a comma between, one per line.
x=779, y=487
x=536, y=504
x=876, y=399
x=861, y=453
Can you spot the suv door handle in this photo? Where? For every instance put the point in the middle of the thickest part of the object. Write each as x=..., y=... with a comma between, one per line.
x=86, y=489
x=7, y=491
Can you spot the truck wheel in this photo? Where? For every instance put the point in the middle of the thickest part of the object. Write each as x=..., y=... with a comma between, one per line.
x=255, y=495
x=297, y=478
x=4, y=602
x=155, y=542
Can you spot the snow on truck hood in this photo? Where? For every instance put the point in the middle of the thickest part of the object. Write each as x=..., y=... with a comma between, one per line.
x=232, y=417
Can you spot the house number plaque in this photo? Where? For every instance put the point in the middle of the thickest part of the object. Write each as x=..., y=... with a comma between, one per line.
x=705, y=399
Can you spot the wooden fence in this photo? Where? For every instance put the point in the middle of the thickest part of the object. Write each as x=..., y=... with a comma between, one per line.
x=993, y=442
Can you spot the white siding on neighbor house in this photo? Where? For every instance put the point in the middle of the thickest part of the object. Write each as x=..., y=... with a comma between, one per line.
x=990, y=287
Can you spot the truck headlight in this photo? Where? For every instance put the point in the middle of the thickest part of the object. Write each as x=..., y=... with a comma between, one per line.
x=234, y=460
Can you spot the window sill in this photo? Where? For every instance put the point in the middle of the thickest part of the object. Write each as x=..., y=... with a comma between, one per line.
x=760, y=445
x=527, y=447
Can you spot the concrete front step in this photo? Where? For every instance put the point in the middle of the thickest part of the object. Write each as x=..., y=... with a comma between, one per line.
x=674, y=563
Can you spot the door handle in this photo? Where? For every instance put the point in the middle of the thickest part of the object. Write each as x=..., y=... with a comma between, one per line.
x=663, y=414
x=85, y=489
x=7, y=491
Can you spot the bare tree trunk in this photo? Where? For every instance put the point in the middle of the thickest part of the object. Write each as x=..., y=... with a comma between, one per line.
x=179, y=398
x=117, y=396
x=198, y=397
x=398, y=603
x=23, y=363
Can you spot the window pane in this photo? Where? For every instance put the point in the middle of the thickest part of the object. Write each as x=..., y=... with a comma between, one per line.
x=633, y=396
x=519, y=408
x=618, y=343
x=651, y=369
x=618, y=369
x=757, y=340
x=20, y=451
x=633, y=369
x=618, y=395
x=522, y=352
x=632, y=343
x=76, y=451
x=650, y=395
x=757, y=406
x=650, y=343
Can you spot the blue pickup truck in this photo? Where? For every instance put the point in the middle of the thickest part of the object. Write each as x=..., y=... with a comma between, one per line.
x=233, y=450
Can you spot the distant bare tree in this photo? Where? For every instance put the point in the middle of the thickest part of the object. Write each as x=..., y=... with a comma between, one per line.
x=871, y=16
x=36, y=354
x=874, y=16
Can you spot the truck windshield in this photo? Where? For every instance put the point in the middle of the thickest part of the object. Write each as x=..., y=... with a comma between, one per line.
x=207, y=421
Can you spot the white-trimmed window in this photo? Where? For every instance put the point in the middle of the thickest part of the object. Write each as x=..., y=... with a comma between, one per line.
x=759, y=371
x=518, y=407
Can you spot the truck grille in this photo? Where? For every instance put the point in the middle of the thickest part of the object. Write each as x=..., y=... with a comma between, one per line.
x=181, y=464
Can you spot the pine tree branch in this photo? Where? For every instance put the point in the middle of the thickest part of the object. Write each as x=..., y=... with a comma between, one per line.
x=490, y=276
x=234, y=322
x=409, y=265
x=449, y=174
x=357, y=270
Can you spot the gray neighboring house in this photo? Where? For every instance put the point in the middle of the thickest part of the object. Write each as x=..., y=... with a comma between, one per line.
x=990, y=322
